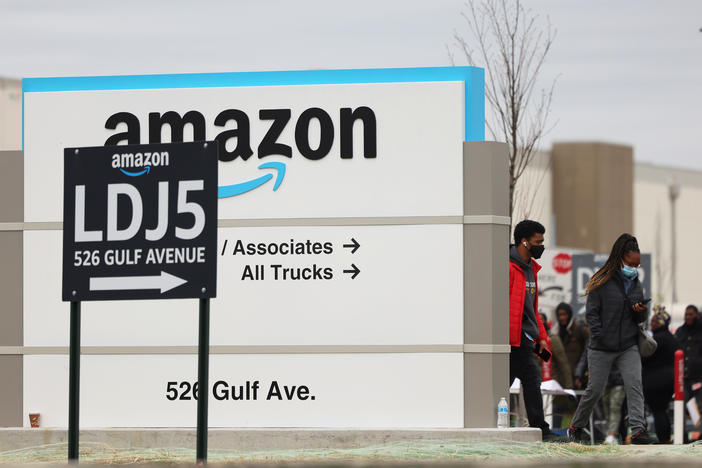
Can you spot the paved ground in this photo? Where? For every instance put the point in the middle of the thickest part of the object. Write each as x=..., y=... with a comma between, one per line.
x=406, y=453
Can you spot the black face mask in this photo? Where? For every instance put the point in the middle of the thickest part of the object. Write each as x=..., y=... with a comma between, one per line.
x=536, y=251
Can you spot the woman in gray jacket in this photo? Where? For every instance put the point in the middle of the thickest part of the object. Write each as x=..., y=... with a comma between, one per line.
x=615, y=307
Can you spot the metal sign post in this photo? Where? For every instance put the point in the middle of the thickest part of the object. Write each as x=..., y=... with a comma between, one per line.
x=203, y=370
x=74, y=382
x=140, y=222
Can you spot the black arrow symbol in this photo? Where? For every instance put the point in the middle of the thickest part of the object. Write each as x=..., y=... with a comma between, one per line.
x=354, y=247
x=355, y=271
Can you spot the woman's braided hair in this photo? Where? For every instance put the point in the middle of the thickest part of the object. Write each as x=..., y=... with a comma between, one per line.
x=623, y=245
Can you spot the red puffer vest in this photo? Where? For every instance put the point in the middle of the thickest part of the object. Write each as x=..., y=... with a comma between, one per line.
x=517, y=293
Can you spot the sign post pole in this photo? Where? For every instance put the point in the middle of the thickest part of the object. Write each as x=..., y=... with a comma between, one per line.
x=203, y=364
x=74, y=382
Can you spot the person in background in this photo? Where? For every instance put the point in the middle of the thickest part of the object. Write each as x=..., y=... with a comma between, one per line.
x=526, y=331
x=689, y=336
x=658, y=373
x=560, y=372
x=559, y=361
x=574, y=337
x=615, y=306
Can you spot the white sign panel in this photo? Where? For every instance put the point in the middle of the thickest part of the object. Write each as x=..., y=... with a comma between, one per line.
x=408, y=291
x=334, y=390
x=346, y=149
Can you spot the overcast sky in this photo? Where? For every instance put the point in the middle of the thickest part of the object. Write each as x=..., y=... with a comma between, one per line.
x=628, y=71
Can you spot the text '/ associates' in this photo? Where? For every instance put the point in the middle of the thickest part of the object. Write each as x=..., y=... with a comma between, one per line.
x=291, y=247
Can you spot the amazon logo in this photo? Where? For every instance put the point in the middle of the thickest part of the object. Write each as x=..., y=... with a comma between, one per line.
x=136, y=164
x=235, y=142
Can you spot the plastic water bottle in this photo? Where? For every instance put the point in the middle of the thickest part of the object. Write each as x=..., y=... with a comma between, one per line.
x=502, y=414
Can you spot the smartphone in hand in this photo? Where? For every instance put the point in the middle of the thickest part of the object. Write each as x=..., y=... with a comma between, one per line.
x=544, y=354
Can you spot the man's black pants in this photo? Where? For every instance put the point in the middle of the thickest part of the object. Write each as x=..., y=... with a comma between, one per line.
x=523, y=366
x=658, y=391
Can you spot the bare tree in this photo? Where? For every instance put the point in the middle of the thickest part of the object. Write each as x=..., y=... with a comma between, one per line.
x=511, y=44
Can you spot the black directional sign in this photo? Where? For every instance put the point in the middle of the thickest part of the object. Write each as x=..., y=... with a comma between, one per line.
x=140, y=222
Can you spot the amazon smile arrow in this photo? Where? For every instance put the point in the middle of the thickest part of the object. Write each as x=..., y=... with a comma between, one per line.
x=226, y=191
x=164, y=282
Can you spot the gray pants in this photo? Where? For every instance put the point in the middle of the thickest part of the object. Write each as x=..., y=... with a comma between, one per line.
x=600, y=364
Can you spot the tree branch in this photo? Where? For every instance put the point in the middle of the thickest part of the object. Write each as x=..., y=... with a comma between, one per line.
x=511, y=43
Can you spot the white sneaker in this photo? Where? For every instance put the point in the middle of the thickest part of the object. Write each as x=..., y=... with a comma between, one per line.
x=611, y=440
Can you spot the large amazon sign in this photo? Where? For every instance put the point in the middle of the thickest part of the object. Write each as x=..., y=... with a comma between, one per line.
x=340, y=245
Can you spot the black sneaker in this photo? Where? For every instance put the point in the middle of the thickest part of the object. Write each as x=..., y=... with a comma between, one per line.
x=576, y=434
x=549, y=436
x=641, y=438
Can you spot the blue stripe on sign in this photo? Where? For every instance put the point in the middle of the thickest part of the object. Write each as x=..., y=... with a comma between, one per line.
x=475, y=105
x=472, y=77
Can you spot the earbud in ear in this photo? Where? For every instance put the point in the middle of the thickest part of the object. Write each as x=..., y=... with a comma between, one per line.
x=524, y=244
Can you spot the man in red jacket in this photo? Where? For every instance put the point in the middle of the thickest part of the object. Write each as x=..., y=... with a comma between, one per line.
x=526, y=331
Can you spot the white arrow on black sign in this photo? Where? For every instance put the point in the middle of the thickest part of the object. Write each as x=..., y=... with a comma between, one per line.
x=164, y=282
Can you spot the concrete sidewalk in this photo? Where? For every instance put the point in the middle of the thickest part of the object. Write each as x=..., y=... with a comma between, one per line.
x=257, y=439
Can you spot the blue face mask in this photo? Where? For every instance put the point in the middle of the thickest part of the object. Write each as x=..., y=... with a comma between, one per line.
x=630, y=272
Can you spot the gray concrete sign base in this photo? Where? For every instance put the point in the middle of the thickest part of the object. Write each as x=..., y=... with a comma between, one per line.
x=257, y=439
